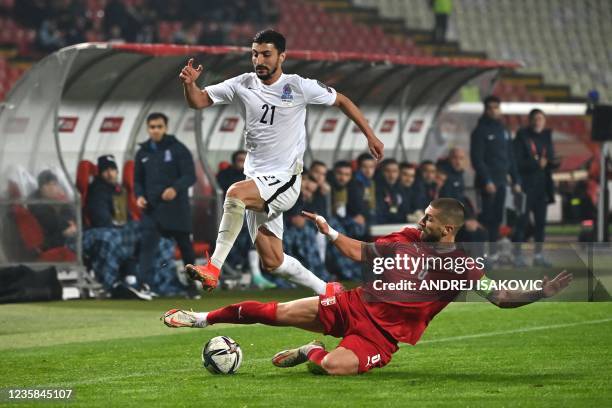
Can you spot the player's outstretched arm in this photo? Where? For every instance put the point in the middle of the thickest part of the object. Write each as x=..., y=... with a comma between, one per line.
x=354, y=113
x=196, y=98
x=511, y=299
x=349, y=247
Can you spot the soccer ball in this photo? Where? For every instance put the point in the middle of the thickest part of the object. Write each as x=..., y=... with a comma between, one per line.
x=221, y=355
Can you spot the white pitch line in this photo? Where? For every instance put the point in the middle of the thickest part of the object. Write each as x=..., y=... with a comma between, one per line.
x=514, y=331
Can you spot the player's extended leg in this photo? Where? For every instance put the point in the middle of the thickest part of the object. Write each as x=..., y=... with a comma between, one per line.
x=240, y=196
x=301, y=313
x=270, y=250
x=340, y=361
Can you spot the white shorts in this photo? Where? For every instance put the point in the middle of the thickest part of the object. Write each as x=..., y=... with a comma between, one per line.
x=280, y=194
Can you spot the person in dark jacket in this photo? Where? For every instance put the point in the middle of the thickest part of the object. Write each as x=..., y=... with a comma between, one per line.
x=234, y=173
x=389, y=197
x=535, y=155
x=53, y=213
x=492, y=157
x=426, y=180
x=163, y=173
x=347, y=194
x=106, y=205
x=454, y=187
x=412, y=193
x=366, y=168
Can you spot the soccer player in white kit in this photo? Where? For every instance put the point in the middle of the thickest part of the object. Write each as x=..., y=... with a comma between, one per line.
x=273, y=105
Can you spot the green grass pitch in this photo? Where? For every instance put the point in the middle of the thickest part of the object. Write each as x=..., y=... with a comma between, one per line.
x=118, y=353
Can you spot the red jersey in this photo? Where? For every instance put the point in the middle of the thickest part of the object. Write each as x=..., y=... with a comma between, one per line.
x=407, y=320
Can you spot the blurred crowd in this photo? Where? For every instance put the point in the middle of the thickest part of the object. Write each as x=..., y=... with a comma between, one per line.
x=60, y=23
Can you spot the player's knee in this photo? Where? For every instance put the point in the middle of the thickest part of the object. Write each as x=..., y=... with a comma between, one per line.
x=336, y=365
x=235, y=192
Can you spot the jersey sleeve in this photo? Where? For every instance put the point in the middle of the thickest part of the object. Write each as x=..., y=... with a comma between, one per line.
x=223, y=93
x=317, y=93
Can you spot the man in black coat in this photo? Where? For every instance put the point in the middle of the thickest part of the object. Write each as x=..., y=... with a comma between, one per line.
x=493, y=160
x=106, y=205
x=163, y=173
x=533, y=149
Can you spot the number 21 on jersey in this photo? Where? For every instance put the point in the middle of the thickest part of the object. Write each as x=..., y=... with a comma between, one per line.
x=264, y=117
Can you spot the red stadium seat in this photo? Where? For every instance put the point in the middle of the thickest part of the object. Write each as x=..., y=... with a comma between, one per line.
x=86, y=171
x=128, y=183
x=224, y=165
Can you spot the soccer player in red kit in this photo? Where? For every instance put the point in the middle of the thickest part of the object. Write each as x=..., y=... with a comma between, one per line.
x=370, y=330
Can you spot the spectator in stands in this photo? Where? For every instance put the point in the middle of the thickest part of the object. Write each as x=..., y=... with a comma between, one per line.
x=535, y=156
x=366, y=168
x=454, y=187
x=412, y=194
x=389, y=194
x=454, y=167
x=347, y=216
x=428, y=177
x=49, y=37
x=53, y=213
x=319, y=201
x=492, y=157
x=234, y=173
x=442, y=10
x=347, y=197
x=163, y=173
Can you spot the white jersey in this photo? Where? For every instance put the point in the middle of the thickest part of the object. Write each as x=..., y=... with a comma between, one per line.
x=275, y=118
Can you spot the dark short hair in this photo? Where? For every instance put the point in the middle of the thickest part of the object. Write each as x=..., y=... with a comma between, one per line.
x=535, y=112
x=387, y=162
x=316, y=163
x=273, y=37
x=157, y=115
x=426, y=162
x=491, y=99
x=452, y=210
x=46, y=177
x=363, y=157
x=342, y=163
x=406, y=165
x=236, y=153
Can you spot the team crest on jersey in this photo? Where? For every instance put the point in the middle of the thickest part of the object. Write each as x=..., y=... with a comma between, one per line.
x=328, y=301
x=287, y=96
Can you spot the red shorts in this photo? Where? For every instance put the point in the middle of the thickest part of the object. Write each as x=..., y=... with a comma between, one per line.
x=344, y=315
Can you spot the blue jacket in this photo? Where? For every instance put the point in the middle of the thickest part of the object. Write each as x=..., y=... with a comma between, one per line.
x=158, y=166
x=492, y=154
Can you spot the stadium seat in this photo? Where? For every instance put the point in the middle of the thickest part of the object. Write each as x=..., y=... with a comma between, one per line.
x=86, y=171
x=128, y=184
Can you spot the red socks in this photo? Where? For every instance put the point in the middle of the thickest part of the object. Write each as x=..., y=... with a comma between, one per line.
x=316, y=355
x=248, y=312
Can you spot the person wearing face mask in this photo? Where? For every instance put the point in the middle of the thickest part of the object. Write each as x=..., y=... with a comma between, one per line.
x=535, y=157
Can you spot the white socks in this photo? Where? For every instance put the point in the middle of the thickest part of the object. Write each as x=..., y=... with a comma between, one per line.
x=292, y=270
x=231, y=224
x=200, y=322
x=254, y=263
